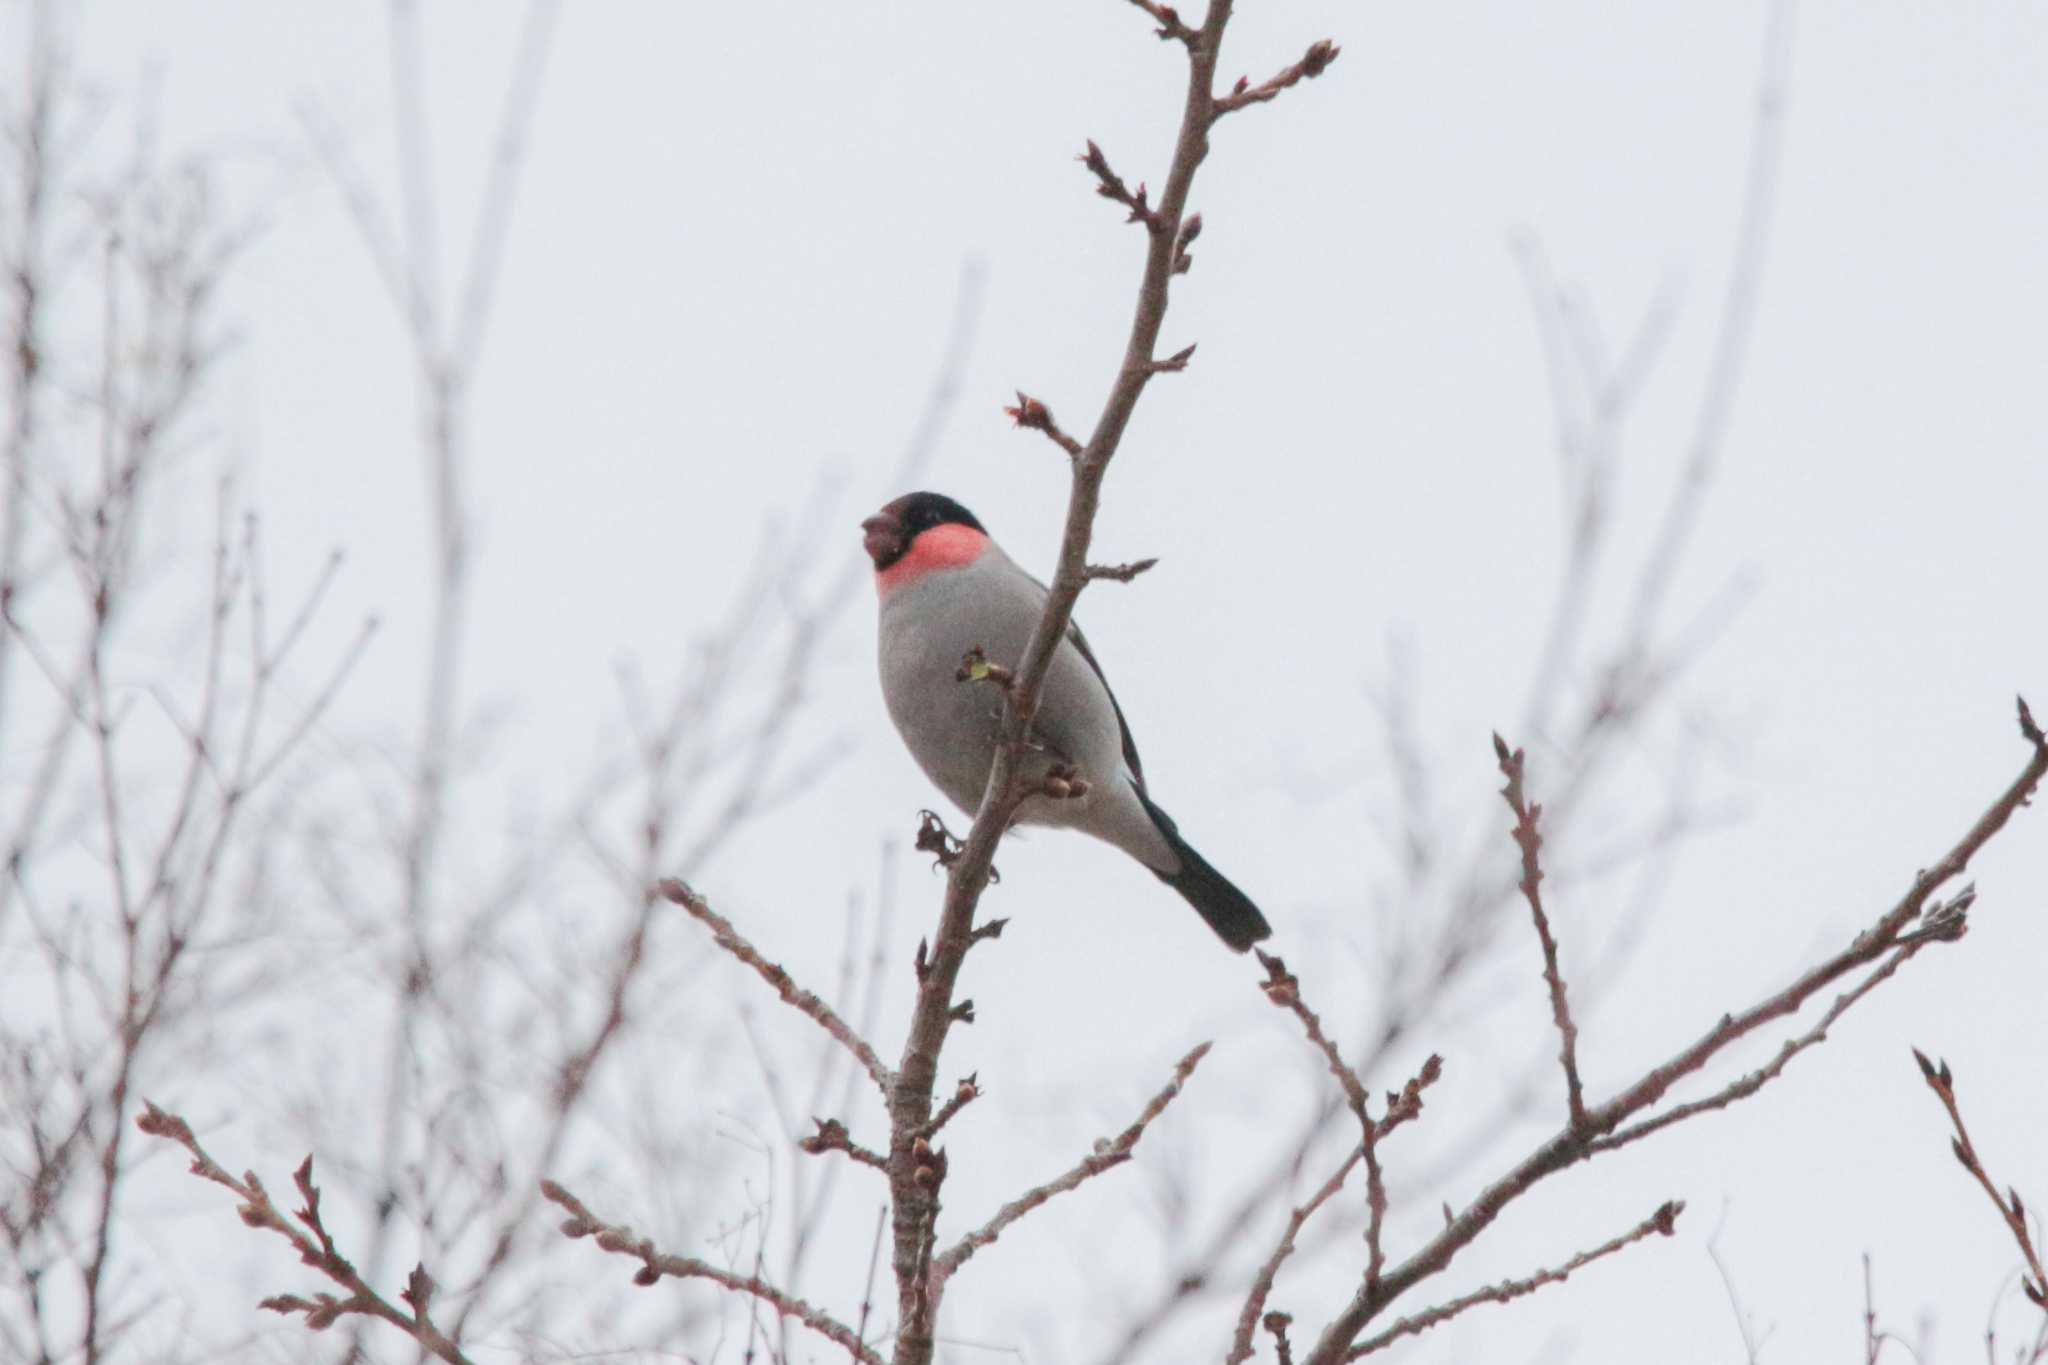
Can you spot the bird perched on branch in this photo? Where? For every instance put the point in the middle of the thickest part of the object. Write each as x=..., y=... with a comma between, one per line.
x=949, y=592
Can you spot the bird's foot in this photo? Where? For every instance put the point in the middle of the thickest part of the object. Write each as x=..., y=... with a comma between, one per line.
x=934, y=838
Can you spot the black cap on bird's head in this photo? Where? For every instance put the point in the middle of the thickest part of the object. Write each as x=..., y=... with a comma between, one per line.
x=888, y=534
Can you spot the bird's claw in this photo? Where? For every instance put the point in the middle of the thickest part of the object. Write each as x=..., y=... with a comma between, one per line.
x=934, y=838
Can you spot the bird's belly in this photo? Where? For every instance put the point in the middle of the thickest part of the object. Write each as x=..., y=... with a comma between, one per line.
x=952, y=728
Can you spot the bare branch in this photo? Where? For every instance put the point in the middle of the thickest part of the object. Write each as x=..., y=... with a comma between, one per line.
x=1887, y=936
x=318, y=1251
x=2009, y=1205
x=1944, y=924
x=1120, y=573
x=833, y=1137
x=1663, y=1222
x=1171, y=27
x=1530, y=842
x=1283, y=988
x=1033, y=415
x=792, y=994
x=1111, y=186
x=1312, y=64
x=622, y=1241
x=915, y=1204
x=1277, y=1323
x=970, y=1087
x=1241, y=1344
x=1105, y=1156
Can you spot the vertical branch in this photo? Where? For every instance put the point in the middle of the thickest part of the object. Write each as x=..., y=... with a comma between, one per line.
x=2011, y=1208
x=1530, y=842
x=1738, y=314
x=916, y=1199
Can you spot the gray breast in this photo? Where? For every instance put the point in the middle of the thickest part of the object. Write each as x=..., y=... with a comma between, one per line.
x=952, y=727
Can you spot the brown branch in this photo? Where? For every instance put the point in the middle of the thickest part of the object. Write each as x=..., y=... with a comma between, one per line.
x=1944, y=923
x=2010, y=1207
x=1887, y=936
x=1241, y=1347
x=1120, y=573
x=1530, y=842
x=621, y=1241
x=794, y=995
x=1172, y=28
x=1312, y=64
x=914, y=1205
x=1283, y=988
x=318, y=1250
x=1104, y=1157
x=1033, y=415
x=1111, y=186
x=1663, y=1222
x=970, y=1087
x=833, y=1137
x=1277, y=1323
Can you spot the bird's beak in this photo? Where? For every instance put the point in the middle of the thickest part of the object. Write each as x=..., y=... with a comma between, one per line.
x=882, y=537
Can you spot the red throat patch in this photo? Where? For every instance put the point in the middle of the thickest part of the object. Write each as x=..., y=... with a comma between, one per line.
x=938, y=547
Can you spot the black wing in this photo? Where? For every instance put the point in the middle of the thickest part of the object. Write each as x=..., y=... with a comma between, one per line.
x=1080, y=642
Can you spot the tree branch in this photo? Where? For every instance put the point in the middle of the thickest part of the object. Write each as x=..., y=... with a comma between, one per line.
x=915, y=1204
x=1121, y=573
x=621, y=1241
x=2010, y=1207
x=1887, y=936
x=1663, y=1222
x=1312, y=64
x=1105, y=1156
x=1530, y=842
x=1171, y=27
x=318, y=1250
x=797, y=997
x=1033, y=415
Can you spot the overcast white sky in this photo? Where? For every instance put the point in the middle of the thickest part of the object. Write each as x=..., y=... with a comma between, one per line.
x=734, y=262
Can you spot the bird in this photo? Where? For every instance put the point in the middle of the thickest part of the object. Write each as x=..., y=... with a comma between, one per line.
x=946, y=589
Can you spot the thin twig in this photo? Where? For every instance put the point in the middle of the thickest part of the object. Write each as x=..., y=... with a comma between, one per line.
x=1119, y=573
x=794, y=995
x=1105, y=1156
x=832, y=1136
x=1033, y=415
x=1663, y=1222
x=318, y=1250
x=2010, y=1207
x=968, y=1091
x=622, y=1241
x=1172, y=28
x=1889, y=934
x=1312, y=64
x=1530, y=842
x=1241, y=1344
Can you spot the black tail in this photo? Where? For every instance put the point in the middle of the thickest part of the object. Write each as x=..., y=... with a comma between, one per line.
x=1229, y=911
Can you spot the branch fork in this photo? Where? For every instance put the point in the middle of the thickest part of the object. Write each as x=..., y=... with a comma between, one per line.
x=1111, y=186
